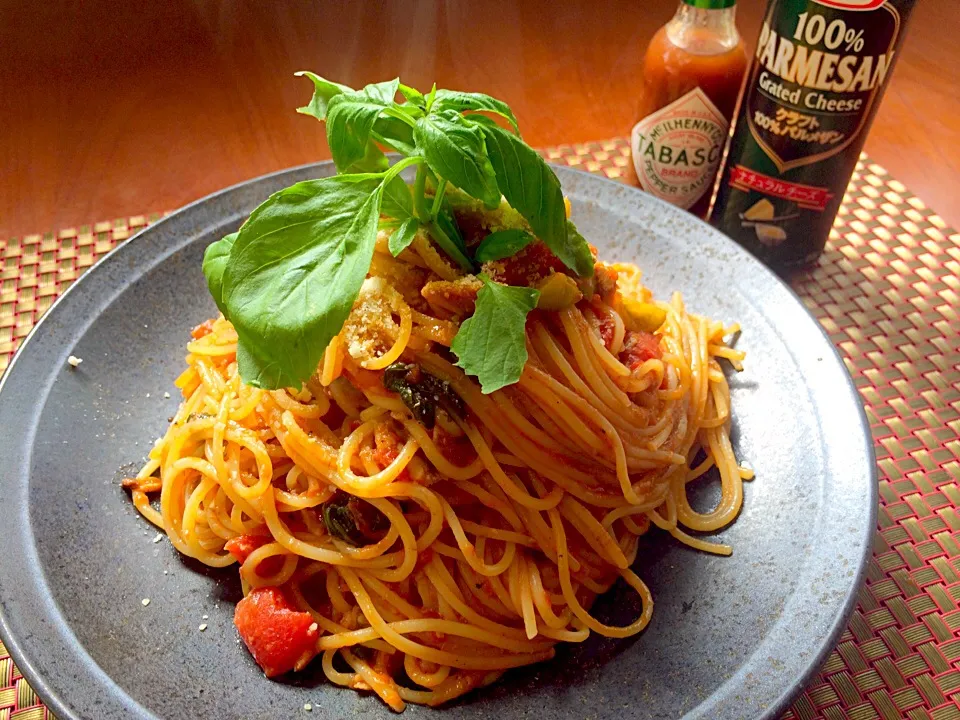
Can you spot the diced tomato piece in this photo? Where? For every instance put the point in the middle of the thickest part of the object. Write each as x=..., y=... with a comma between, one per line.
x=241, y=547
x=608, y=329
x=383, y=456
x=278, y=636
x=388, y=449
x=472, y=227
x=638, y=347
x=295, y=524
x=458, y=450
x=388, y=445
x=204, y=328
x=527, y=267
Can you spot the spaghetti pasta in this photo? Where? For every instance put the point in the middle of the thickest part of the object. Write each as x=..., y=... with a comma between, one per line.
x=420, y=560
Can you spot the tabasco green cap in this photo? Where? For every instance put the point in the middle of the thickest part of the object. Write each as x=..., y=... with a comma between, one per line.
x=711, y=4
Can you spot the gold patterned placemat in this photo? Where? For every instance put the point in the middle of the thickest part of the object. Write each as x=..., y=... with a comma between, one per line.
x=887, y=290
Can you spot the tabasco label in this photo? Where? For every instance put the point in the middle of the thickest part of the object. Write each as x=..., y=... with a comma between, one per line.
x=676, y=150
x=817, y=77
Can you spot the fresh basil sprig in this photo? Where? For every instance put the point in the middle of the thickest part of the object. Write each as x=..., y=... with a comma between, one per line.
x=491, y=344
x=465, y=101
x=294, y=270
x=401, y=238
x=350, y=120
x=503, y=244
x=214, y=263
x=288, y=279
x=276, y=285
x=532, y=188
x=454, y=148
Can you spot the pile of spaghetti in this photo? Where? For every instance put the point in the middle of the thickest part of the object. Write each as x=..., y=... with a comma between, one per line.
x=420, y=537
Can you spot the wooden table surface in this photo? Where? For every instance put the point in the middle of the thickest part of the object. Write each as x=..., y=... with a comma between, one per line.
x=112, y=108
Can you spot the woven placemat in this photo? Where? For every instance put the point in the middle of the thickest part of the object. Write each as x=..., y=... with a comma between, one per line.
x=887, y=290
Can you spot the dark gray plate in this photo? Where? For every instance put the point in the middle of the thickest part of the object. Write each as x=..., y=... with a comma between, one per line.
x=730, y=637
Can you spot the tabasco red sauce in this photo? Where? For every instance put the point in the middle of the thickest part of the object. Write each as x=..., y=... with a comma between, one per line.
x=693, y=69
x=819, y=71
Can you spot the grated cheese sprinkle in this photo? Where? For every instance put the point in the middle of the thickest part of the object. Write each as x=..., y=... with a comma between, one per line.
x=370, y=326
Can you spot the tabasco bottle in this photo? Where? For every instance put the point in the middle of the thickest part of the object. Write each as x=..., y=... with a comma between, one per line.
x=820, y=69
x=692, y=74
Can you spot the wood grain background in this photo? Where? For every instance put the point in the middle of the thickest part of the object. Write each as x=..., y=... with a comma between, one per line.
x=111, y=107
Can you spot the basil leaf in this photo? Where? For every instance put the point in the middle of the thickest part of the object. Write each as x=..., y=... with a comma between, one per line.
x=454, y=149
x=447, y=223
x=443, y=230
x=214, y=263
x=323, y=92
x=407, y=111
x=373, y=160
x=382, y=92
x=431, y=96
x=423, y=393
x=353, y=520
x=413, y=95
x=294, y=272
x=350, y=119
x=402, y=237
x=481, y=120
x=397, y=200
x=340, y=523
x=532, y=188
x=584, y=259
x=257, y=366
x=492, y=343
x=463, y=101
x=502, y=244
x=395, y=134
